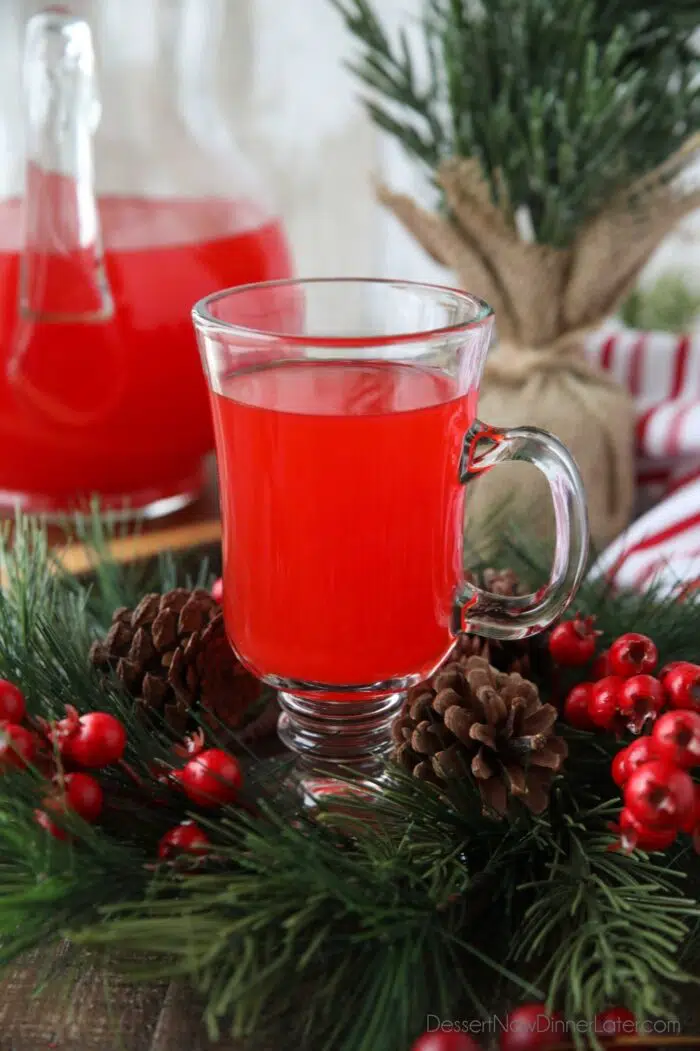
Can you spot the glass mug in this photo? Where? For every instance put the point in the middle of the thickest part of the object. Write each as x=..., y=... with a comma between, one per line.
x=345, y=424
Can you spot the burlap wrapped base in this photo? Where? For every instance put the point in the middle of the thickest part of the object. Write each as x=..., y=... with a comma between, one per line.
x=589, y=413
x=82, y=1007
x=546, y=298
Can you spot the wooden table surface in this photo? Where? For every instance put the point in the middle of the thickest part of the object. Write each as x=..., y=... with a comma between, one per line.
x=86, y=1008
x=83, y=1007
x=194, y=526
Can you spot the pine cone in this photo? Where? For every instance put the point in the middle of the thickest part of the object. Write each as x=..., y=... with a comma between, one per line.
x=530, y=657
x=472, y=719
x=172, y=655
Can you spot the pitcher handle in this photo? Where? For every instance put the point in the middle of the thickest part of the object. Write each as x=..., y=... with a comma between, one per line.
x=517, y=616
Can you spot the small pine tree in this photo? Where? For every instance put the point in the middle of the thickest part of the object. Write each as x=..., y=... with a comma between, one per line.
x=562, y=102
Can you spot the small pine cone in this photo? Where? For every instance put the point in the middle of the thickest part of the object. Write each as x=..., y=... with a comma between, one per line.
x=501, y=582
x=530, y=657
x=172, y=655
x=473, y=721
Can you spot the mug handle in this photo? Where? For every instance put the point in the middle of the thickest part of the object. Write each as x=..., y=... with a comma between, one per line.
x=517, y=616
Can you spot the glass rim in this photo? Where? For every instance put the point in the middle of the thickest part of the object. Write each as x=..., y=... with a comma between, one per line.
x=202, y=315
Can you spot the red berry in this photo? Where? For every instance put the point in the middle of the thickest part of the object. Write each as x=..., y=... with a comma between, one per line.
x=669, y=668
x=439, y=1041
x=601, y=666
x=693, y=822
x=43, y=819
x=98, y=739
x=576, y=706
x=211, y=778
x=17, y=746
x=83, y=794
x=676, y=737
x=641, y=698
x=660, y=795
x=12, y=706
x=630, y=758
x=617, y=768
x=217, y=590
x=186, y=838
x=614, y=1022
x=572, y=642
x=632, y=654
x=682, y=685
x=634, y=833
x=603, y=706
x=530, y=1027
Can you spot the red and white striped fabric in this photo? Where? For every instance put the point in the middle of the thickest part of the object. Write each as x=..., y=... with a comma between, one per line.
x=662, y=372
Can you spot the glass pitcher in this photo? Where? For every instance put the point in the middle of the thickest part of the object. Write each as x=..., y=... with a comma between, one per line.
x=120, y=206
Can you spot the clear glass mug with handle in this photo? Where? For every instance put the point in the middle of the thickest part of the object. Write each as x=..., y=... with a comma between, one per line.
x=345, y=423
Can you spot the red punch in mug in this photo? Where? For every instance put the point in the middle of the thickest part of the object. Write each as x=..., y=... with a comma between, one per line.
x=346, y=429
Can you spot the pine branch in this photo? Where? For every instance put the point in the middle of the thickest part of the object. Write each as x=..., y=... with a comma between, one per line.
x=610, y=927
x=360, y=922
x=46, y=886
x=389, y=71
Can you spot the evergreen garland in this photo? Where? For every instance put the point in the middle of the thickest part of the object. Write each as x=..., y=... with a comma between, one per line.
x=341, y=930
x=562, y=102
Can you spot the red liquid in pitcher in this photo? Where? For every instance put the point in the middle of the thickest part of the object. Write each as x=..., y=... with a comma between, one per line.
x=121, y=407
x=343, y=517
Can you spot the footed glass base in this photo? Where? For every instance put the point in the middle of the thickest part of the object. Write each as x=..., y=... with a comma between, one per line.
x=154, y=502
x=330, y=784
x=338, y=731
x=341, y=746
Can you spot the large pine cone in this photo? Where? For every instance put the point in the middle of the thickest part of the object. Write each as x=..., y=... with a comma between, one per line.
x=172, y=655
x=471, y=720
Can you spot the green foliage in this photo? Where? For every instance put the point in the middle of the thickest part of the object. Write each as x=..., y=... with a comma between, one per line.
x=344, y=928
x=670, y=305
x=562, y=102
x=606, y=928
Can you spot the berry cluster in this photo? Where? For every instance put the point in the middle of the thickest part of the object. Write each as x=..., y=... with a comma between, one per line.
x=660, y=797
x=211, y=777
x=63, y=750
x=622, y=693
x=93, y=740
x=530, y=1027
x=18, y=744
